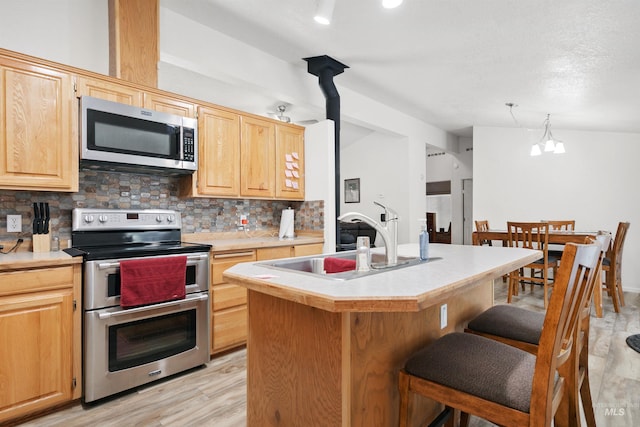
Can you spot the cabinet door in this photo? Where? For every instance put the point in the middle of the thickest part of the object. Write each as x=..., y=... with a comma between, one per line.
x=304, y=250
x=219, y=153
x=257, y=153
x=169, y=105
x=273, y=253
x=110, y=91
x=228, y=302
x=38, y=144
x=36, y=353
x=289, y=162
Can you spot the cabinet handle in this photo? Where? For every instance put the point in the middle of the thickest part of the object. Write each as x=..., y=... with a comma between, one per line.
x=232, y=255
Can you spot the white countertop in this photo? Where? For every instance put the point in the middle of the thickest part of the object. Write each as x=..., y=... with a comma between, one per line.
x=22, y=260
x=450, y=269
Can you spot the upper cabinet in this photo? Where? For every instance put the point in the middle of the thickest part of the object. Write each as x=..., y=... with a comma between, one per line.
x=247, y=156
x=219, y=153
x=289, y=162
x=257, y=157
x=38, y=139
x=124, y=94
x=104, y=89
x=170, y=105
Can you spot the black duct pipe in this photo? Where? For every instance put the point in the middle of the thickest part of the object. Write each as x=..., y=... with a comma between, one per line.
x=325, y=68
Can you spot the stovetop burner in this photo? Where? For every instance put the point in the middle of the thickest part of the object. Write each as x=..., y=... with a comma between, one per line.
x=119, y=233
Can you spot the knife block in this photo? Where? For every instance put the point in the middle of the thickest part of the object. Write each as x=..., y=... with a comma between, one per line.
x=42, y=242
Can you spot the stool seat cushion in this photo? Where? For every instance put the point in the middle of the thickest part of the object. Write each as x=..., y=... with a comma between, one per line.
x=479, y=366
x=511, y=322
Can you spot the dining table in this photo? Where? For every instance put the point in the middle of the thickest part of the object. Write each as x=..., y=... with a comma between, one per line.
x=556, y=237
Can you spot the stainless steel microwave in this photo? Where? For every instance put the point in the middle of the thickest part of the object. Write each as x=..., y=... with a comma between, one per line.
x=116, y=136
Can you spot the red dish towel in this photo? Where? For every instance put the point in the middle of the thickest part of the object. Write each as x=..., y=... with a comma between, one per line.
x=148, y=281
x=338, y=265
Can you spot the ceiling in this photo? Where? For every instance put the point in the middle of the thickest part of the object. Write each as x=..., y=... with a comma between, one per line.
x=455, y=63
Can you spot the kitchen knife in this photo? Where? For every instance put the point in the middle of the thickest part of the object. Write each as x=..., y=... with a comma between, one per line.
x=45, y=227
x=36, y=219
x=41, y=228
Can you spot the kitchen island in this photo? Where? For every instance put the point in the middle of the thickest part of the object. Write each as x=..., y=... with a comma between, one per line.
x=327, y=352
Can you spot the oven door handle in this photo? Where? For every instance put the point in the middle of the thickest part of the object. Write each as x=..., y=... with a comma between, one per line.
x=107, y=265
x=202, y=297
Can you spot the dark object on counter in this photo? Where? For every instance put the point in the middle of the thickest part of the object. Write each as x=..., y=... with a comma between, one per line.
x=46, y=218
x=36, y=218
x=74, y=251
x=350, y=231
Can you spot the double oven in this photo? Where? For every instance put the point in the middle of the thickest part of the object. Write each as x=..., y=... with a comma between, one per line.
x=125, y=347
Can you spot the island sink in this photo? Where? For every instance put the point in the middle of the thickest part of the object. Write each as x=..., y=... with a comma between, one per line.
x=304, y=265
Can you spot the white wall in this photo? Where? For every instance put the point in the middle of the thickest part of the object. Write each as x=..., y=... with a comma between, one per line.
x=593, y=183
x=380, y=161
x=203, y=63
x=320, y=176
x=71, y=32
x=454, y=167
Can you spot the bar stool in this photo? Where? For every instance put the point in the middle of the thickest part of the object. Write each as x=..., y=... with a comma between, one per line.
x=522, y=328
x=503, y=384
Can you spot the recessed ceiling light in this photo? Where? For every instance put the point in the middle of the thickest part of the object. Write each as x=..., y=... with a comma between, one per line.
x=390, y=4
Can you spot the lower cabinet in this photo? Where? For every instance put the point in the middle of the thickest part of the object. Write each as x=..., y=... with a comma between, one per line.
x=39, y=339
x=229, y=302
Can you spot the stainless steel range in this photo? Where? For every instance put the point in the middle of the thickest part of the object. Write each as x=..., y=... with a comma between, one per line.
x=125, y=346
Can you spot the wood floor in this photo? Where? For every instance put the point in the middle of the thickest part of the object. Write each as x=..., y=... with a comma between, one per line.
x=215, y=395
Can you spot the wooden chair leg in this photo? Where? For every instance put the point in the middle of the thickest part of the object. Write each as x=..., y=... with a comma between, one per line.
x=464, y=419
x=611, y=289
x=405, y=399
x=597, y=298
x=619, y=289
x=587, y=402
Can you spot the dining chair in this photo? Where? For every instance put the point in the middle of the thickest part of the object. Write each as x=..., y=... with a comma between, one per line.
x=482, y=226
x=612, y=267
x=531, y=235
x=522, y=328
x=505, y=385
x=560, y=225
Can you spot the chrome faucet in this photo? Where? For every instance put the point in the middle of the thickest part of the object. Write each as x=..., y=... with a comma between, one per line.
x=389, y=231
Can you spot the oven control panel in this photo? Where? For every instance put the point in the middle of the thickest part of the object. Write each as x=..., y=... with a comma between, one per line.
x=123, y=219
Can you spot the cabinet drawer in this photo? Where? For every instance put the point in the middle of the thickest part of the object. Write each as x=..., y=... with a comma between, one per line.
x=226, y=296
x=229, y=328
x=222, y=261
x=304, y=250
x=273, y=253
x=23, y=281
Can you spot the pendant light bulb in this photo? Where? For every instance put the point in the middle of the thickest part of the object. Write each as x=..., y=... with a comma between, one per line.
x=559, y=148
x=390, y=4
x=535, y=150
x=324, y=12
x=549, y=145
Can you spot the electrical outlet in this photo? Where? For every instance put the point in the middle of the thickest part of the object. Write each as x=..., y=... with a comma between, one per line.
x=14, y=223
x=443, y=316
x=243, y=224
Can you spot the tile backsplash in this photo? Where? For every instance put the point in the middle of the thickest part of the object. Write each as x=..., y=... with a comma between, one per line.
x=119, y=190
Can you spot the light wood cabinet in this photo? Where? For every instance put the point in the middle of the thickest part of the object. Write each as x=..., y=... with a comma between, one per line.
x=40, y=329
x=105, y=89
x=219, y=153
x=257, y=158
x=289, y=162
x=306, y=250
x=229, y=302
x=38, y=130
x=170, y=105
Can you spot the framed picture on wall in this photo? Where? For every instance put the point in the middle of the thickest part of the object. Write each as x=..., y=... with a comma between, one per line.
x=352, y=190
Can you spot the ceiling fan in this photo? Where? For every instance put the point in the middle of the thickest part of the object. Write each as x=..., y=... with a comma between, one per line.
x=280, y=115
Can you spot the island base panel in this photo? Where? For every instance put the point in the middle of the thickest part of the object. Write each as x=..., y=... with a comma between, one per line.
x=306, y=364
